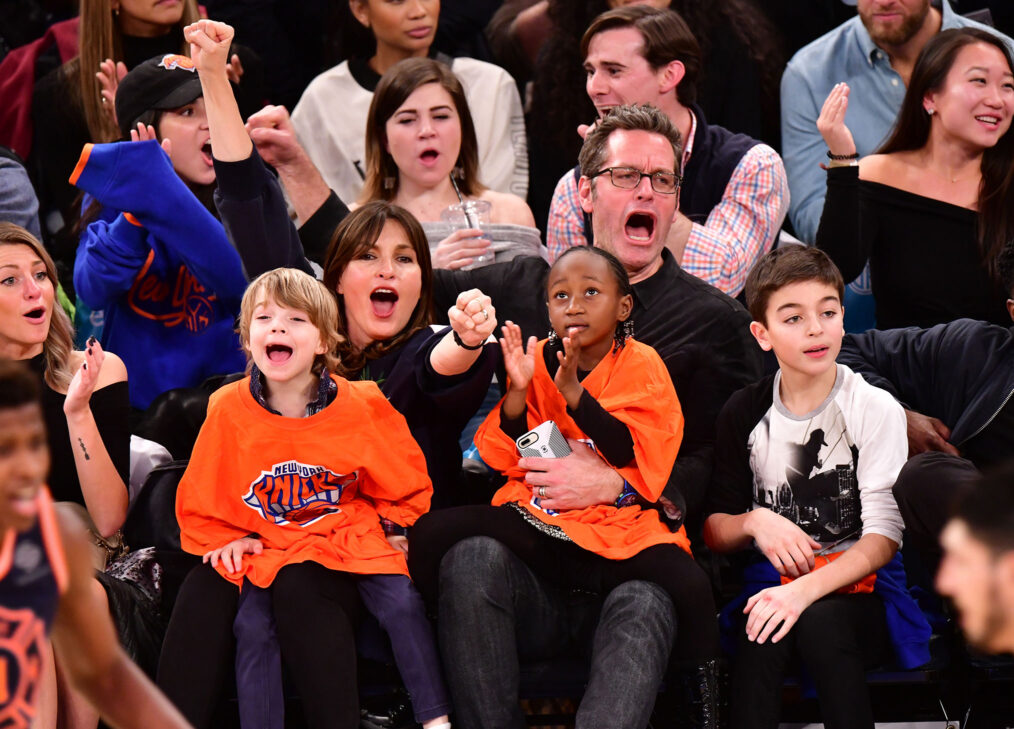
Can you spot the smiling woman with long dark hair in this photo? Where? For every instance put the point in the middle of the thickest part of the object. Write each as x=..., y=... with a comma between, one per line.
x=932, y=210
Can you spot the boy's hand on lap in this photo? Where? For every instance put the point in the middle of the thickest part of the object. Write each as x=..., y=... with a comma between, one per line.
x=231, y=555
x=774, y=607
x=398, y=542
x=789, y=549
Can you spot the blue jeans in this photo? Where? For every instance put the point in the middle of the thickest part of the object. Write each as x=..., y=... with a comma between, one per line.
x=496, y=612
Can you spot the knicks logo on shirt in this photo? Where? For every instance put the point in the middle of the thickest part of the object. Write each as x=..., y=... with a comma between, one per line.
x=184, y=302
x=22, y=640
x=297, y=493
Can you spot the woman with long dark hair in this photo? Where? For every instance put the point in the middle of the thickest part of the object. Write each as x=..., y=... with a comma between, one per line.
x=69, y=108
x=331, y=114
x=934, y=208
x=420, y=134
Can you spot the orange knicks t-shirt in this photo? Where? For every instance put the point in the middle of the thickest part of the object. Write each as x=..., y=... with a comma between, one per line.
x=633, y=385
x=313, y=489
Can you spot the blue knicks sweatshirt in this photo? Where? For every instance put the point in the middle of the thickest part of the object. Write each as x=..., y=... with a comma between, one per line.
x=163, y=270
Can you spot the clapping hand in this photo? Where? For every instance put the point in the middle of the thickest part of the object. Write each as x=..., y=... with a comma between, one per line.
x=831, y=122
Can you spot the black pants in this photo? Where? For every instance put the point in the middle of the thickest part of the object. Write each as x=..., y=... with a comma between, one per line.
x=567, y=565
x=316, y=611
x=926, y=487
x=836, y=639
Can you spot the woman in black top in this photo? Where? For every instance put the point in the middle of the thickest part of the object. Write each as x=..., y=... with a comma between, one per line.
x=932, y=210
x=85, y=406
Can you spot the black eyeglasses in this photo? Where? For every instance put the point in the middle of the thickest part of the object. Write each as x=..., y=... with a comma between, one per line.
x=627, y=178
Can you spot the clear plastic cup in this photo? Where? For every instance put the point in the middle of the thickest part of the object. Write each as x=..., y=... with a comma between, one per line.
x=470, y=214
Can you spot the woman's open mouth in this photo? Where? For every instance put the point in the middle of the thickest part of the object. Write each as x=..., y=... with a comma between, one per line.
x=383, y=301
x=37, y=315
x=640, y=227
x=278, y=353
x=206, y=153
x=429, y=157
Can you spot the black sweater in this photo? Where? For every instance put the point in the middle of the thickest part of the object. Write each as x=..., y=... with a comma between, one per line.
x=924, y=256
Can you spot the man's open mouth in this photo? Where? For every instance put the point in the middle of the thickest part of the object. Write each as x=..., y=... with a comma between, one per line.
x=640, y=227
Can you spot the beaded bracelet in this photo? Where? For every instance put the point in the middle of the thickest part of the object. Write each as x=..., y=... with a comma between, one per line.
x=842, y=157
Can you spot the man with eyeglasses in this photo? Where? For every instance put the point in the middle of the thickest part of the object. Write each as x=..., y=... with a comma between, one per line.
x=734, y=194
x=495, y=612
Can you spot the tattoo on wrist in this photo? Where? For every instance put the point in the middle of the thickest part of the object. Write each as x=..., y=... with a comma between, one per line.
x=84, y=450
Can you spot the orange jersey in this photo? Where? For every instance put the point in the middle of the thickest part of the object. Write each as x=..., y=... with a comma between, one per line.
x=313, y=489
x=633, y=385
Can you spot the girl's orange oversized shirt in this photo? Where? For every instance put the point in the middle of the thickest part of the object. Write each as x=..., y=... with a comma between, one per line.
x=633, y=385
x=313, y=489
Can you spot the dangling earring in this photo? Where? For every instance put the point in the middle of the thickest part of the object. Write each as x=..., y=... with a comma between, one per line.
x=116, y=12
x=388, y=182
x=458, y=173
x=553, y=339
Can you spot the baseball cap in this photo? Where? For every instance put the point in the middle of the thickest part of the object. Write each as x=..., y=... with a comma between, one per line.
x=162, y=82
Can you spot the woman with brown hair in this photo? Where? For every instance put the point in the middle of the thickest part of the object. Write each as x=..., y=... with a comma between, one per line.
x=932, y=210
x=420, y=135
x=69, y=106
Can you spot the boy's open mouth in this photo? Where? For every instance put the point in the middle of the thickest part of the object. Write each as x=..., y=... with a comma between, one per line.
x=278, y=352
x=639, y=226
x=816, y=351
x=383, y=301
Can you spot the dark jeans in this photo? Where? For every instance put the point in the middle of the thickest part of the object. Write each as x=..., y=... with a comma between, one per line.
x=315, y=609
x=836, y=639
x=396, y=604
x=496, y=612
x=567, y=565
x=926, y=487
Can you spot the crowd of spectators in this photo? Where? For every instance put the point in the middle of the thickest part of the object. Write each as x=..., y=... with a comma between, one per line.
x=773, y=329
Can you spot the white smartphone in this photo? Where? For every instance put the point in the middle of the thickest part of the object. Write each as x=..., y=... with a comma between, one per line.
x=544, y=441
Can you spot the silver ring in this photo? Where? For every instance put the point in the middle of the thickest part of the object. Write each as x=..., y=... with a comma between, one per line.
x=542, y=492
x=485, y=314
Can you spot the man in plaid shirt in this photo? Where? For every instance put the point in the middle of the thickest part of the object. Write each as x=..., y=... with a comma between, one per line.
x=734, y=193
